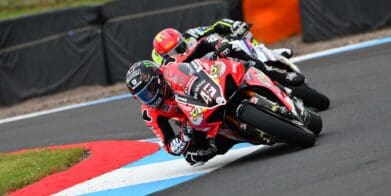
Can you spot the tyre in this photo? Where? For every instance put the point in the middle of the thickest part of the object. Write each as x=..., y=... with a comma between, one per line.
x=315, y=125
x=273, y=125
x=311, y=97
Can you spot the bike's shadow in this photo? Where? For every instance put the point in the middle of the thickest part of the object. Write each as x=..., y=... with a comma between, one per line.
x=277, y=150
x=267, y=152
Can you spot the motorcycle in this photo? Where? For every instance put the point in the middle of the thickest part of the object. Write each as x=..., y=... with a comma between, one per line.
x=240, y=102
x=307, y=94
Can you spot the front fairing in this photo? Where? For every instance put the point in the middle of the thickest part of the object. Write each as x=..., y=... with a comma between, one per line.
x=199, y=88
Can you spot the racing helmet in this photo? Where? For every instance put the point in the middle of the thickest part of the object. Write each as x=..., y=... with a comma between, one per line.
x=169, y=42
x=146, y=83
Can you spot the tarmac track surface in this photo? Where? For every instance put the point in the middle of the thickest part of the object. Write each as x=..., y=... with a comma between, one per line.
x=352, y=155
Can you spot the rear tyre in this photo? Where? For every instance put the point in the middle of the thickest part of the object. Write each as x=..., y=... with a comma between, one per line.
x=311, y=97
x=315, y=125
x=276, y=127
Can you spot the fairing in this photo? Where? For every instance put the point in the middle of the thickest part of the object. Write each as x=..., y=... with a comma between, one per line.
x=200, y=88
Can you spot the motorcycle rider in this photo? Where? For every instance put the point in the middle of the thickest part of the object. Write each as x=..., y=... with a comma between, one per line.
x=223, y=27
x=146, y=83
x=170, y=45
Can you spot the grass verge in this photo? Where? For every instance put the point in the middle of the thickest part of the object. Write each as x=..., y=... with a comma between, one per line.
x=21, y=169
x=14, y=8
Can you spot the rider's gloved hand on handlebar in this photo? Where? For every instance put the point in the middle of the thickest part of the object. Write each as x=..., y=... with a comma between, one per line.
x=223, y=48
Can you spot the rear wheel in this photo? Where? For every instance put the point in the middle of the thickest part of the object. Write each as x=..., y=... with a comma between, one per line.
x=311, y=97
x=276, y=127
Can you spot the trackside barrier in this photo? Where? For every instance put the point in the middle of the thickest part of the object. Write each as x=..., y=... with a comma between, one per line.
x=56, y=51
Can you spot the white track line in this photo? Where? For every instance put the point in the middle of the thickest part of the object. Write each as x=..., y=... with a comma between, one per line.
x=60, y=109
x=128, y=176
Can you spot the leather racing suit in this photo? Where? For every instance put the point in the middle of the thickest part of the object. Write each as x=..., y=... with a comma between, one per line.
x=195, y=146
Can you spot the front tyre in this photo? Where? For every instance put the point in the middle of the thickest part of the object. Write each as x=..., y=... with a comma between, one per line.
x=276, y=127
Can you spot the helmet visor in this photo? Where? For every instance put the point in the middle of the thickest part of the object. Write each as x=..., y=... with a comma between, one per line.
x=149, y=94
x=179, y=49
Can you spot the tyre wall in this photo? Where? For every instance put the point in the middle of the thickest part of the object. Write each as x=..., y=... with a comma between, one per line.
x=56, y=51
x=326, y=19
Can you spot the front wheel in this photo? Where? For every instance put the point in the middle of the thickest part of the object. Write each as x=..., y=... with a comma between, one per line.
x=311, y=97
x=276, y=127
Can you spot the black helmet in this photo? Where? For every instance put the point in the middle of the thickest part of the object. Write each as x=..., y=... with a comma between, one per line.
x=145, y=82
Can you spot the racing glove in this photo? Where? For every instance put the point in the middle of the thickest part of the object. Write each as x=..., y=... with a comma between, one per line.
x=181, y=143
x=223, y=48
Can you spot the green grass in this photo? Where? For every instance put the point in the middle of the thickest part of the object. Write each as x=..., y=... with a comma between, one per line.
x=19, y=170
x=14, y=8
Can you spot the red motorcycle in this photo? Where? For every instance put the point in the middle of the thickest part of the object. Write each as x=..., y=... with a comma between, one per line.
x=240, y=102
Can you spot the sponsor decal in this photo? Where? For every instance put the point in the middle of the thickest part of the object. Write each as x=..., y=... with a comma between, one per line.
x=132, y=74
x=217, y=70
x=196, y=116
x=189, y=85
x=254, y=100
x=158, y=101
x=161, y=36
x=243, y=126
x=136, y=83
x=196, y=65
x=180, y=99
x=197, y=88
x=207, y=93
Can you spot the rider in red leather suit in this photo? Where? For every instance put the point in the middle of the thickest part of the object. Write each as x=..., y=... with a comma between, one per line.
x=160, y=112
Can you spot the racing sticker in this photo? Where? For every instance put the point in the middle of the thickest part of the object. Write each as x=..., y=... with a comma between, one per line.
x=217, y=70
x=196, y=116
